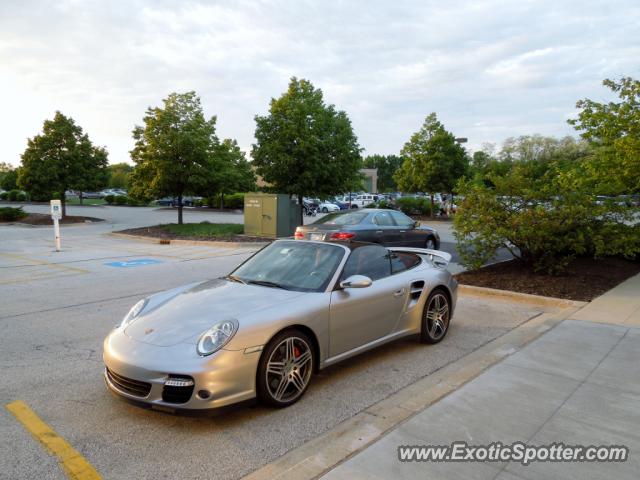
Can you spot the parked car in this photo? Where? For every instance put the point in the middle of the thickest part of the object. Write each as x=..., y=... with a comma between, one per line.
x=363, y=200
x=293, y=308
x=326, y=207
x=187, y=201
x=385, y=226
x=92, y=195
x=340, y=203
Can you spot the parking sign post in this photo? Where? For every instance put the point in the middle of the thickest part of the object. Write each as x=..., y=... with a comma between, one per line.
x=56, y=215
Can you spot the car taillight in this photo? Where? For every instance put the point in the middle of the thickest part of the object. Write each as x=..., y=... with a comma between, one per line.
x=298, y=235
x=342, y=235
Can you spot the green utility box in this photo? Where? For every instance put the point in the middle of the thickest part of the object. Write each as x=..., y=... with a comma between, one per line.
x=270, y=215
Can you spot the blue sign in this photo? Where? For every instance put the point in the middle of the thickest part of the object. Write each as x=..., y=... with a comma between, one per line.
x=133, y=263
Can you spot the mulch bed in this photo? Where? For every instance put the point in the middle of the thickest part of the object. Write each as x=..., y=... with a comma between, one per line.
x=43, y=219
x=158, y=231
x=584, y=279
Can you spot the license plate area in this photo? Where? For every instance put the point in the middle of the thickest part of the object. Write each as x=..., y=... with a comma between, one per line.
x=316, y=236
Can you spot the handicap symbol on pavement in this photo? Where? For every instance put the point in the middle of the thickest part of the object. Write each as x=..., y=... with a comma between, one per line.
x=133, y=263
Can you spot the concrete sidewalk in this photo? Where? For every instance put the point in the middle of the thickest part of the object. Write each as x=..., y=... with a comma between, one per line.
x=578, y=384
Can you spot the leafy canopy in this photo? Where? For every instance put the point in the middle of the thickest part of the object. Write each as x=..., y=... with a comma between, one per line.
x=613, y=129
x=305, y=147
x=175, y=150
x=61, y=158
x=433, y=160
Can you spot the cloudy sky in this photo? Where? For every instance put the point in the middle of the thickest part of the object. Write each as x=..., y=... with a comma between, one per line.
x=490, y=69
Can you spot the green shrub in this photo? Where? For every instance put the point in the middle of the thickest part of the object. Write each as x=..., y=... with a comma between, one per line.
x=527, y=217
x=383, y=204
x=371, y=205
x=109, y=199
x=21, y=197
x=199, y=203
x=234, y=201
x=134, y=202
x=54, y=196
x=120, y=200
x=213, y=202
x=13, y=195
x=4, y=195
x=415, y=206
x=9, y=214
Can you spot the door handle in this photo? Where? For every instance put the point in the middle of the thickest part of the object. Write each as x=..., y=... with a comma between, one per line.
x=378, y=231
x=403, y=231
x=399, y=293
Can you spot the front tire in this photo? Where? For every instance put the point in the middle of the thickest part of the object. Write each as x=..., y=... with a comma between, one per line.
x=285, y=369
x=325, y=210
x=435, y=317
x=430, y=243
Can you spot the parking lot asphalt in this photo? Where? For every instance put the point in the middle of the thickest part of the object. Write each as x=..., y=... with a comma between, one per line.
x=56, y=308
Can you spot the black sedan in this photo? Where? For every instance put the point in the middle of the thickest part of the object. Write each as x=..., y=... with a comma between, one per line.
x=387, y=227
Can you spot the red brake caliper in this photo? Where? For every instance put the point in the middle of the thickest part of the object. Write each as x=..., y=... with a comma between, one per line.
x=296, y=352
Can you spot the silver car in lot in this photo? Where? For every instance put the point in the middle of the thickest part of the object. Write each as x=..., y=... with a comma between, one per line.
x=293, y=308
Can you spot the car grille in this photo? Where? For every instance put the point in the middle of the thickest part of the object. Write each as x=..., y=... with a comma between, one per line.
x=178, y=394
x=128, y=385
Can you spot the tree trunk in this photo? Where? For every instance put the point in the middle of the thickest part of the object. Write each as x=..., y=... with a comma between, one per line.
x=79, y=197
x=431, y=205
x=300, y=202
x=222, y=201
x=180, y=209
x=63, y=201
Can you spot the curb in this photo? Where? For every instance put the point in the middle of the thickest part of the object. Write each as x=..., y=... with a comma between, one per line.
x=210, y=243
x=518, y=297
x=325, y=452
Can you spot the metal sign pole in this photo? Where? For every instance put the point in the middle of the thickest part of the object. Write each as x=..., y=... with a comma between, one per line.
x=56, y=232
x=56, y=215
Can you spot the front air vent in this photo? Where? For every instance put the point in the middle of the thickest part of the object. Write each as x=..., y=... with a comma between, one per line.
x=178, y=389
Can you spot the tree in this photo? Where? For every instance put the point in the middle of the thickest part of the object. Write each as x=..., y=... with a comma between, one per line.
x=432, y=160
x=174, y=151
x=8, y=177
x=613, y=129
x=119, y=175
x=236, y=174
x=304, y=147
x=61, y=158
x=387, y=166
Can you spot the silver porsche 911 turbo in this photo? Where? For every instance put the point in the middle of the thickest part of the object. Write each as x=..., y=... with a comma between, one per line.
x=293, y=308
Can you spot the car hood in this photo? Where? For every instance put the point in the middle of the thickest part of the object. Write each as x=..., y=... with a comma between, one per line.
x=182, y=315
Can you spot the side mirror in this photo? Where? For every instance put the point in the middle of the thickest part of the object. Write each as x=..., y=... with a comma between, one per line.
x=416, y=224
x=356, y=281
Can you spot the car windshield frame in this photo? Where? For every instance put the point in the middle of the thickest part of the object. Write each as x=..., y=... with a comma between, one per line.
x=325, y=258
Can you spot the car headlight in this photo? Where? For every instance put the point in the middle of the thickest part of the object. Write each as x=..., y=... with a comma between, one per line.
x=217, y=337
x=134, y=312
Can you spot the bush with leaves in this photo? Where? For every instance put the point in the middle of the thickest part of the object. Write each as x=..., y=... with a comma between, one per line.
x=120, y=200
x=234, y=201
x=13, y=195
x=10, y=214
x=544, y=222
x=109, y=199
x=4, y=196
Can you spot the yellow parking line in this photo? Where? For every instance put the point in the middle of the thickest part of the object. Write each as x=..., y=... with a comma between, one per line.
x=74, y=464
x=44, y=262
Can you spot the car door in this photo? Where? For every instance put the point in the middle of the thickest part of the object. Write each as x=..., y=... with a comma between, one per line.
x=408, y=234
x=358, y=316
x=386, y=233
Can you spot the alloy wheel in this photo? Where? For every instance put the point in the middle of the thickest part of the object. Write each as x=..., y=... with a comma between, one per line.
x=437, y=316
x=289, y=369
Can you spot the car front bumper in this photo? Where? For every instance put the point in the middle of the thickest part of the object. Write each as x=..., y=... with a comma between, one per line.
x=139, y=372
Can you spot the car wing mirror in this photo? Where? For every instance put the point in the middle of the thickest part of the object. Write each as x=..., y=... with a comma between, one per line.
x=416, y=224
x=356, y=281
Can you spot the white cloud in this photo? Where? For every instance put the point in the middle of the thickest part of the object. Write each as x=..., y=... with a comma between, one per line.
x=490, y=69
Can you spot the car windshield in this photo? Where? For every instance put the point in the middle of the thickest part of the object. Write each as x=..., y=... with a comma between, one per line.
x=291, y=265
x=349, y=218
